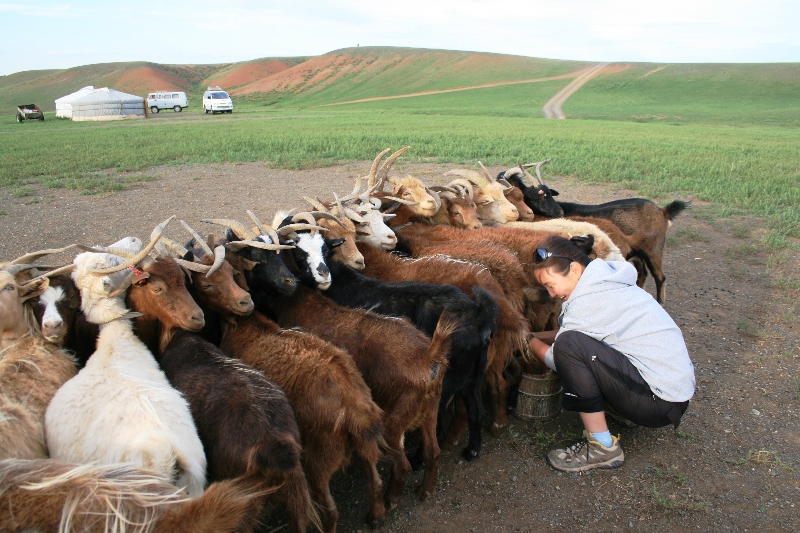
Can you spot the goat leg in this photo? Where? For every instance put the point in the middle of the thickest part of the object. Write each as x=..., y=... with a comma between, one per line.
x=431, y=451
x=458, y=427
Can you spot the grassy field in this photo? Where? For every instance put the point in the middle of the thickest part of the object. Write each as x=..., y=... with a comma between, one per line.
x=743, y=169
x=711, y=93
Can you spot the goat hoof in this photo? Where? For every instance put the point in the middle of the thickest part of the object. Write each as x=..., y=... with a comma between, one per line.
x=423, y=494
x=469, y=455
x=496, y=429
x=448, y=445
x=374, y=522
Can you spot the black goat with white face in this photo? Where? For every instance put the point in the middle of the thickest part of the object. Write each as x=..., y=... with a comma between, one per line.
x=309, y=253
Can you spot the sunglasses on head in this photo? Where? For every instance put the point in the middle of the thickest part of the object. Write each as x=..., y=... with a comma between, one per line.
x=541, y=254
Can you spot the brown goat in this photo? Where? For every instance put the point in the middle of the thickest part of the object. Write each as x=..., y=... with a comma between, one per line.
x=331, y=402
x=46, y=495
x=512, y=328
x=244, y=421
x=515, y=196
x=403, y=368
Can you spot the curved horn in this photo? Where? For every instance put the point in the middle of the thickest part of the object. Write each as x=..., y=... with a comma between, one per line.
x=383, y=173
x=402, y=201
x=506, y=185
x=172, y=245
x=443, y=188
x=235, y=246
x=261, y=228
x=191, y=265
x=316, y=204
x=353, y=194
x=219, y=258
x=16, y=269
x=197, y=239
x=352, y=215
x=57, y=272
x=436, y=199
x=273, y=235
x=154, y=237
x=329, y=216
x=290, y=228
x=373, y=171
x=122, y=252
x=470, y=175
x=463, y=183
x=33, y=256
x=235, y=226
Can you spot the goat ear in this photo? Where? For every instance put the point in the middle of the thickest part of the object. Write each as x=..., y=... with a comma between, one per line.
x=247, y=264
x=34, y=290
x=231, y=236
x=553, y=192
x=189, y=256
x=484, y=200
x=334, y=243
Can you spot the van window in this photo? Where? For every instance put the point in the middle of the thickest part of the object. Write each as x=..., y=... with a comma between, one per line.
x=151, y=96
x=208, y=96
x=175, y=96
x=219, y=96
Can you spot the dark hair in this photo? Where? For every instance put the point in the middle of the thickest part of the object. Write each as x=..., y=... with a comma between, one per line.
x=575, y=249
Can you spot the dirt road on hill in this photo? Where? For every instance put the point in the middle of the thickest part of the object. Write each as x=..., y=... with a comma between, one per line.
x=552, y=109
x=734, y=464
x=458, y=89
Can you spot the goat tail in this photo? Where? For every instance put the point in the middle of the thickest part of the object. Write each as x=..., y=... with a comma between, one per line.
x=151, y=450
x=675, y=208
x=49, y=495
x=299, y=507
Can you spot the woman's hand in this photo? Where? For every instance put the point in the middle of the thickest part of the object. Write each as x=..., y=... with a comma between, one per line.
x=538, y=348
x=547, y=337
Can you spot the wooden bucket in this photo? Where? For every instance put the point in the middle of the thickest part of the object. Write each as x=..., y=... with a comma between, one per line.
x=539, y=396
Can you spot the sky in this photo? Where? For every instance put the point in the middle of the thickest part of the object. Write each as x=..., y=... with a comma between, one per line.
x=42, y=34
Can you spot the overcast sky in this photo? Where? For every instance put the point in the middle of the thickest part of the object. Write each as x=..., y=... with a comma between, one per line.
x=42, y=34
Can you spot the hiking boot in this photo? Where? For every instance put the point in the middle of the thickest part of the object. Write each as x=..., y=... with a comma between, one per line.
x=586, y=454
x=618, y=417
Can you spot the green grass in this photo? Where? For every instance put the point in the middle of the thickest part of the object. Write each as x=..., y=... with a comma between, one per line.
x=717, y=93
x=752, y=169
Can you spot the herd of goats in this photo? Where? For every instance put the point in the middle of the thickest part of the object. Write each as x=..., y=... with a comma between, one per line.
x=167, y=387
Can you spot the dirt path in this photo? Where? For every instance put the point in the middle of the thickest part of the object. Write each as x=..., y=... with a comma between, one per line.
x=458, y=89
x=552, y=109
x=733, y=466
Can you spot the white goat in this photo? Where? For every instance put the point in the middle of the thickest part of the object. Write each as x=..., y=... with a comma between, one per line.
x=120, y=408
x=603, y=245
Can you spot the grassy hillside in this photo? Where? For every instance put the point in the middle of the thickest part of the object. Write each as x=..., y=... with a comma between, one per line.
x=740, y=93
x=355, y=73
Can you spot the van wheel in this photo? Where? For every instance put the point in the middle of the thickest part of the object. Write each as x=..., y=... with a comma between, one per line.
x=177, y=109
x=20, y=118
x=154, y=110
x=41, y=119
x=206, y=110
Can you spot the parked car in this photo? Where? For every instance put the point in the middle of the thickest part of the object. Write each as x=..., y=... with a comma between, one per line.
x=215, y=100
x=176, y=101
x=29, y=112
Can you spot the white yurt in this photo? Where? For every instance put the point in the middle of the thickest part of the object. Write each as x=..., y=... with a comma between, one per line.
x=64, y=104
x=107, y=104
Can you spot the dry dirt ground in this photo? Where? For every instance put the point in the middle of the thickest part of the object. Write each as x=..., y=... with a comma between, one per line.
x=732, y=466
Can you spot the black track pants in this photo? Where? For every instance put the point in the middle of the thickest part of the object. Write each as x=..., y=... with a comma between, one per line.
x=592, y=373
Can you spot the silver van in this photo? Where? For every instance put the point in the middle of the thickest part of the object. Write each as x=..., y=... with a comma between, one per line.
x=215, y=100
x=174, y=100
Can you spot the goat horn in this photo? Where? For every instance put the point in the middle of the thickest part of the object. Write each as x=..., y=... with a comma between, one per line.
x=290, y=228
x=338, y=204
x=352, y=215
x=154, y=237
x=373, y=171
x=235, y=226
x=436, y=200
x=469, y=175
x=191, y=265
x=235, y=246
x=33, y=256
x=316, y=204
x=219, y=258
x=486, y=173
x=176, y=248
x=329, y=216
x=16, y=269
x=273, y=235
x=57, y=272
x=198, y=239
x=383, y=173
x=506, y=185
x=400, y=200
x=443, y=188
x=463, y=183
x=122, y=252
x=353, y=194
x=122, y=287
x=259, y=225
x=528, y=174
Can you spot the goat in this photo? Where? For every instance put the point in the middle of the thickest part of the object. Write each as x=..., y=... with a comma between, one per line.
x=120, y=406
x=493, y=205
x=512, y=329
x=244, y=421
x=604, y=246
x=402, y=367
x=409, y=189
x=31, y=369
x=632, y=215
x=47, y=495
x=332, y=404
x=423, y=304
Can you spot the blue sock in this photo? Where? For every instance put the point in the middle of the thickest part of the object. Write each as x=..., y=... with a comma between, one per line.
x=604, y=438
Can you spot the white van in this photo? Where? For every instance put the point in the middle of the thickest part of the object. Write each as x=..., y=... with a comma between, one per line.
x=176, y=101
x=216, y=100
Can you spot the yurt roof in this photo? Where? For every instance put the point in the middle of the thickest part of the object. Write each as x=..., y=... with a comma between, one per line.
x=108, y=95
x=74, y=96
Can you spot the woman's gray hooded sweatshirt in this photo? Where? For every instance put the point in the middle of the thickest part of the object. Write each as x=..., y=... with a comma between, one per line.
x=607, y=305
